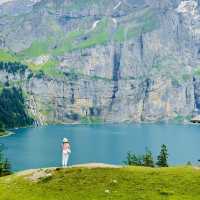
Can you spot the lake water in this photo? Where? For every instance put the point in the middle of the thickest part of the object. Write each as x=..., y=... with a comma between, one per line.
x=41, y=147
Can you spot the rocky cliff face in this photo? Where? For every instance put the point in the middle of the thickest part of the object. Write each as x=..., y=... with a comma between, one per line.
x=112, y=61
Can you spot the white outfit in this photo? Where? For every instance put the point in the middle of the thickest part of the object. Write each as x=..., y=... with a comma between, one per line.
x=65, y=157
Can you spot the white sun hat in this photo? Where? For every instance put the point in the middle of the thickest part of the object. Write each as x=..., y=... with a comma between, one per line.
x=65, y=140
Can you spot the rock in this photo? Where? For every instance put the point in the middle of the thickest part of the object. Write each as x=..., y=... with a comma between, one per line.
x=196, y=119
x=38, y=175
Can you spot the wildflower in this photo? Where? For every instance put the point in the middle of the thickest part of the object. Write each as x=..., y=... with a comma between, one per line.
x=107, y=191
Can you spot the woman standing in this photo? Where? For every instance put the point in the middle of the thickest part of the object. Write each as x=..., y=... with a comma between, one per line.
x=65, y=151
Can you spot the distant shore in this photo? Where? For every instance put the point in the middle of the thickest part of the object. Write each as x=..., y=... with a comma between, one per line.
x=7, y=133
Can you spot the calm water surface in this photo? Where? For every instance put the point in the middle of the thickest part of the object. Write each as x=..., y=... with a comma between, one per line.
x=41, y=147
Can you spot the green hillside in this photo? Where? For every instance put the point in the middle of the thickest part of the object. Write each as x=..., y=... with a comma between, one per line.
x=129, y=183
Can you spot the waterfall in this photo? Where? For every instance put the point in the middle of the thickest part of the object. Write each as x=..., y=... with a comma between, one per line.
x=35, y=112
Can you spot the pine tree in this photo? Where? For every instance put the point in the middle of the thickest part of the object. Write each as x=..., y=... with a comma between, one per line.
x=133, y=159
x=162, y=157
x=5, y=167
x=148, y=159
x=1, y=162
x=2, y=128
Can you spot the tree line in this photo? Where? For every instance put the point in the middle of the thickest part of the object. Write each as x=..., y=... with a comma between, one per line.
x=12, y=109
x=13, y=67
x=147, y=159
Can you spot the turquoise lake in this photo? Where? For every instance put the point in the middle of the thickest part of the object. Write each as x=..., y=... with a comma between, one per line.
x=41, y=147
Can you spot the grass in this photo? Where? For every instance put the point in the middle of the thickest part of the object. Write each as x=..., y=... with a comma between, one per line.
x=49, y=68
x=37, y=48
x=181, y=119
x=7, y=56
x=129, y=183
x=196, y=72
x=1, y=87
x=145, y=22
x=81, y=4
x=72, y=41
x=96, y=39
x=66, y=44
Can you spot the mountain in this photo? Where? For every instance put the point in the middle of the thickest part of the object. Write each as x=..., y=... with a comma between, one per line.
x=102, y=61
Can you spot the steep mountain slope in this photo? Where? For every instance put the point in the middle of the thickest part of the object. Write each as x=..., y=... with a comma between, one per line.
x=110, y=60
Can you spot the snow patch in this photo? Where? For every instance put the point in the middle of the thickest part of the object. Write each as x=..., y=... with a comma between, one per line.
x=35, y=1
x=117, y=6
x=39, y=60
x=188, y=7
x=8, y=1
x=114, y=20
x=4, y=1
x=95, y=24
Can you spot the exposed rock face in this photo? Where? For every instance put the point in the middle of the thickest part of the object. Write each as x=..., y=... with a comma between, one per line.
x=127, y=60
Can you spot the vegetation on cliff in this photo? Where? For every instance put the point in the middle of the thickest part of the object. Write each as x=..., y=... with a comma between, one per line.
x=12, y=108
x=13, y=67
x=2, y=129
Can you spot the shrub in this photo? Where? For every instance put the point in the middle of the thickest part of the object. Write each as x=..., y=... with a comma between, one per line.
x=147, y=158
x=39, y=74
x=140, y=160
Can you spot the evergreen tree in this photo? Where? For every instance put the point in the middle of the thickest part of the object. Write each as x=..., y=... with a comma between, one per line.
x=2, y=128
x=162, y=157
x=134, y=160
x=5, y=167
x=1, y=162
x=13, y=111
x=148, y=159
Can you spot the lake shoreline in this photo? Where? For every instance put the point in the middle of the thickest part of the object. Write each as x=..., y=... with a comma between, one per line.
x=11, y=130
x=106, y=143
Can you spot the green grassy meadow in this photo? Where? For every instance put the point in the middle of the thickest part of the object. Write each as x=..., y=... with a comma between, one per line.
x=126, y=183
